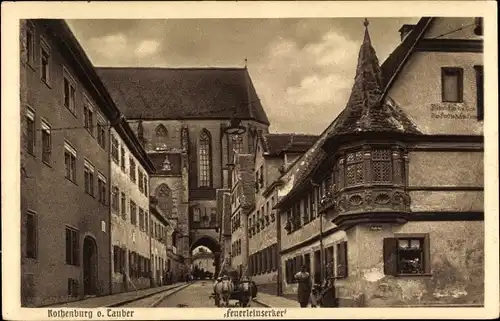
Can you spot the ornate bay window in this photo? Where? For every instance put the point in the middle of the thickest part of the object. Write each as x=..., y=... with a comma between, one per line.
x=371, y=178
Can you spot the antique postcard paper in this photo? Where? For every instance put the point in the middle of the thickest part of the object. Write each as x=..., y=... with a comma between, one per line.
x=248, y=160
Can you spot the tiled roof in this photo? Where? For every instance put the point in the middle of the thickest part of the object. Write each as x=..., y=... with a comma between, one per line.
x=363, y=111
x=366, y=111
x=275, y=144
x=183, y=93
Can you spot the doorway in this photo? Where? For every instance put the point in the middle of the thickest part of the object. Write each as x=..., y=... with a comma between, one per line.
x=89, y=266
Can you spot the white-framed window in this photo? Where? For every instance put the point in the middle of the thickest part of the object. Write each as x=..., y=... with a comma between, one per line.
x=122, y=159
x=70, y=161
x=115, y=147
x=115, y=199
x=30, y=43
x=46, y=143
x=196, y=214
x=88, y=175
x=101, y=186
x=133, y=169
x=30, y=131
x=88, y=116
x=69, y=91
x=123, y=204
x=101, y=131
x=45, y=61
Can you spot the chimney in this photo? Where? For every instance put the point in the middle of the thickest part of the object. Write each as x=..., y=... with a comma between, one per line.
x=405, y=30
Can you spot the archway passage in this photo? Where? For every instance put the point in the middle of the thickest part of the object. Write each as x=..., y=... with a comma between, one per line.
x=213, y=246
x=89, y=266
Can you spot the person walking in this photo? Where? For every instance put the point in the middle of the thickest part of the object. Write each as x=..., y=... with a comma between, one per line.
x=305, y=286
x=328, y=297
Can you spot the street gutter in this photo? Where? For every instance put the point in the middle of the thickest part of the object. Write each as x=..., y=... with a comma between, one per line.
x=123, y=302
x=166, y=295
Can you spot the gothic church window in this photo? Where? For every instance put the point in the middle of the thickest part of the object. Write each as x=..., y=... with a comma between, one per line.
x=164, y=195
x=204, y=161
x=161, y=137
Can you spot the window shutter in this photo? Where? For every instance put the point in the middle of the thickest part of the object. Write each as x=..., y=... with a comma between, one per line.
x=427, y=254
x=288, y=271
x=390, y=256
x=342, y=260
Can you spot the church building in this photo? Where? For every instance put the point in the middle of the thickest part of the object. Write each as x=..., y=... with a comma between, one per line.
x=180, y=116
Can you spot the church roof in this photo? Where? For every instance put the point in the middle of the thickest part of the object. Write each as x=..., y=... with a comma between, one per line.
x=183, y=93
x=275, y=144
x=372, y=82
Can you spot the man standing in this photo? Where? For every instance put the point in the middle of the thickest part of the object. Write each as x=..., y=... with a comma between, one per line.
x=305, y=286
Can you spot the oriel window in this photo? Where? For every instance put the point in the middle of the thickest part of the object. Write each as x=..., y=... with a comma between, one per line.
x=452, y=84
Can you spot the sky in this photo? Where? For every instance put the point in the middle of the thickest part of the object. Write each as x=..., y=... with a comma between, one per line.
x=302, y=69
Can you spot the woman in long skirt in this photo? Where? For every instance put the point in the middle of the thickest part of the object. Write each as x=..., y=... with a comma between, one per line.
x=305, y=286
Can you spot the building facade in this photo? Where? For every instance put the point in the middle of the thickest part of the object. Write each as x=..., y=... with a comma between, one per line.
x=397, y=178
x=242, y=201
x=273, y=154
x=130, y=217
x=65, y=171
x=182, y=129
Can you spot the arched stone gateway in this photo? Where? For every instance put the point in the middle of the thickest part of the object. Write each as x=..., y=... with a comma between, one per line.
x=212, y=245
x=89, y=266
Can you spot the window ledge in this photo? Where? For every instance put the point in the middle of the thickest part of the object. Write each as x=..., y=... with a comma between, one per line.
x=46, y=84
x=69, y=179
x=47, y=164
x=414, y=275
x=30, y=65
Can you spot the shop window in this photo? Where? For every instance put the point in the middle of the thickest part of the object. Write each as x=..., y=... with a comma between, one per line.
x=407, y=255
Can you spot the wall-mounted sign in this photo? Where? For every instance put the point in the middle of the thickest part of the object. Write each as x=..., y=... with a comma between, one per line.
x=452, y=111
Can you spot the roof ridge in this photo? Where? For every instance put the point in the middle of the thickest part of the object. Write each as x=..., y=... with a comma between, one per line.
x=172, y=68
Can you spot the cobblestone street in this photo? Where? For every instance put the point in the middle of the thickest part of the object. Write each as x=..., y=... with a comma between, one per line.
x=195, y=296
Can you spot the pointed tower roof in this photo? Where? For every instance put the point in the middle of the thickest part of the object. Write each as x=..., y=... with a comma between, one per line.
x=366, y=111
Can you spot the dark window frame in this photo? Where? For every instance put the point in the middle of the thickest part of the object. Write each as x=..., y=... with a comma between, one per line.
x=46, y=142
x=453, y=71
x=391, y=254
x=205, y=159
x=72, y=246
x=479, y=91
x=31, y=251
x=30, y=134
